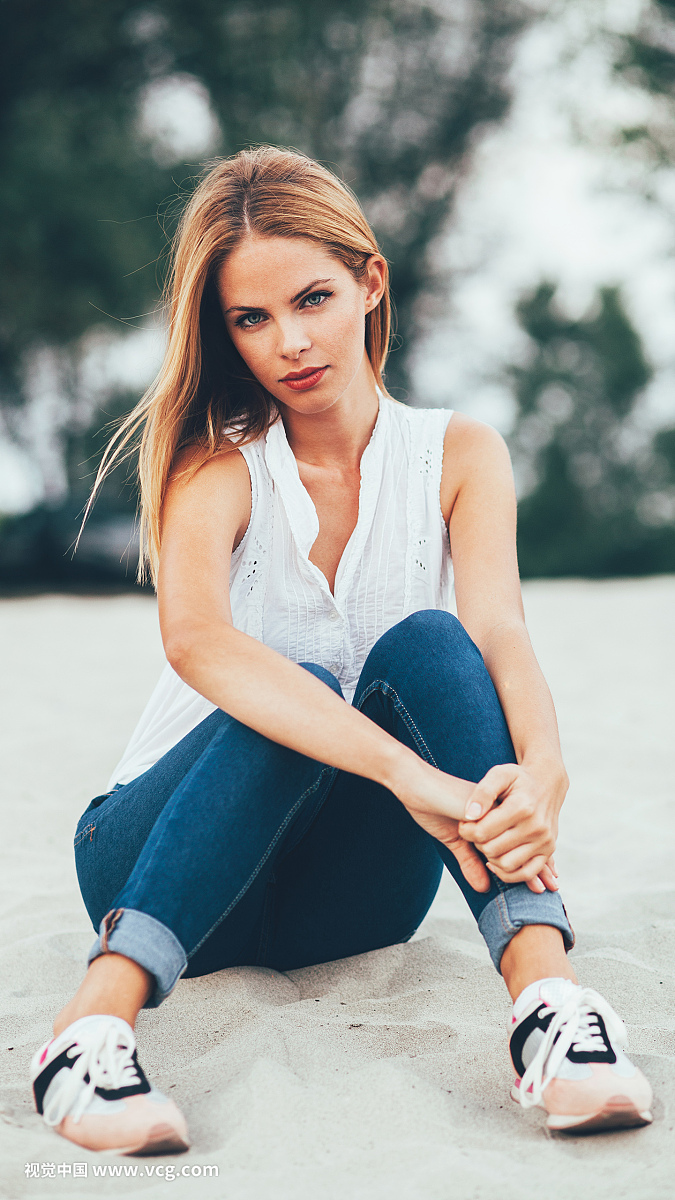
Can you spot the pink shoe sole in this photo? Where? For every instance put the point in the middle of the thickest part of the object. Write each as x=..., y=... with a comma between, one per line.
x=154, y=1137
x=618, y=1112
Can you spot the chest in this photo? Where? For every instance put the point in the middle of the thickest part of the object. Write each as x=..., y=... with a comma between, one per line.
x=335, y=495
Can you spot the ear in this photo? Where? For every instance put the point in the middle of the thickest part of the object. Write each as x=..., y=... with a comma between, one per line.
x=375, y=281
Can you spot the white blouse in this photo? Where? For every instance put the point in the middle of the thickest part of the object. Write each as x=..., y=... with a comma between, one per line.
x=396, y=562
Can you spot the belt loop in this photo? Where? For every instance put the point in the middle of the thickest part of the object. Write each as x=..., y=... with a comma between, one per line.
x=110, y=920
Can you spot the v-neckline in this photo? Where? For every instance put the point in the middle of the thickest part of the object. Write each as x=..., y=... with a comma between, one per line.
x=301, y=509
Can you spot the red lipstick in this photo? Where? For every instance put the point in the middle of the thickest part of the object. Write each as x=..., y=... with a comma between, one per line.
x=301, y=381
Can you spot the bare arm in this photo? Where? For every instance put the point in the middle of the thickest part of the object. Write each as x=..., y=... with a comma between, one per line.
x=518, y=837
x=203, y=519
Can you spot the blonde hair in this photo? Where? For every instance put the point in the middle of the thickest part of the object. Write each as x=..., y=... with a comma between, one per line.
x=204, y=387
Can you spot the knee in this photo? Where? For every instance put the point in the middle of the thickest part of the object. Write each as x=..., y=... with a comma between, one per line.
x=324, y=675
x=428, y=635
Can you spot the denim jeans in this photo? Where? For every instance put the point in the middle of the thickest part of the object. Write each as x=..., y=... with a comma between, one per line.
x=233, y=850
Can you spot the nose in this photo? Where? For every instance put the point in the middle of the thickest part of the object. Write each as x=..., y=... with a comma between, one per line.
x=293, y=338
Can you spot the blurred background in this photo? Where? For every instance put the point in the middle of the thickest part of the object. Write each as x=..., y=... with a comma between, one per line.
x=517, y=161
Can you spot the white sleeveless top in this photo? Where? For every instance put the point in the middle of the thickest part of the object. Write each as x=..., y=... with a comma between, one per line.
x=396, y=562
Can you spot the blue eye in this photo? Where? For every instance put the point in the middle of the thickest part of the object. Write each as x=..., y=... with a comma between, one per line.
x=315, y=299
x=249, y=320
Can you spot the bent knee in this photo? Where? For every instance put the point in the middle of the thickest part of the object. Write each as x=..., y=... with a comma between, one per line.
x=428, y=632
x=428, y=645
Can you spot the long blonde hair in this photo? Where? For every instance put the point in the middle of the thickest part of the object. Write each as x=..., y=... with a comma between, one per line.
x=204, y=386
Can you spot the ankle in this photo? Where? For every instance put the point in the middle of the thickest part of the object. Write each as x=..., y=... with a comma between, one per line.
x=114, y=986
x=555, y=989
x=535, y=952
x=75, y=1012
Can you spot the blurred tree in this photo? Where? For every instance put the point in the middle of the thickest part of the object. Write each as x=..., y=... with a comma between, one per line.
x=390, y=92
x=598, y=501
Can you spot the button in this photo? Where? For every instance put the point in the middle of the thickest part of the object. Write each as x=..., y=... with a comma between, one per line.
x=334, y=615
x=334, y=668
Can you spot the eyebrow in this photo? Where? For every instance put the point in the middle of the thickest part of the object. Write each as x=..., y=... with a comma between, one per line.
x=294, y=299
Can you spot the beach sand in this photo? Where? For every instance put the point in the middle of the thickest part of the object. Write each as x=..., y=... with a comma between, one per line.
x=381, y=1077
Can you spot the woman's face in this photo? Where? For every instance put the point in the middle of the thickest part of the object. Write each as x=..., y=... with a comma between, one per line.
x=297, y=317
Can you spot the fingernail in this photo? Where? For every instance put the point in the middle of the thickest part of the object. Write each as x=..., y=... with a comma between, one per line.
x=473, y=811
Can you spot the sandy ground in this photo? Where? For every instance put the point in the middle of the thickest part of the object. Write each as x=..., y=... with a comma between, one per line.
x=382, y=1077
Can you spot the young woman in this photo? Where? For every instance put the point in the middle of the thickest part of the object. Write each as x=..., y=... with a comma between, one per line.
x=325, y=735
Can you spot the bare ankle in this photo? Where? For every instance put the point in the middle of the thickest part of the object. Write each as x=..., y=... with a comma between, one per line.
x=535, y=952
x=114, y=985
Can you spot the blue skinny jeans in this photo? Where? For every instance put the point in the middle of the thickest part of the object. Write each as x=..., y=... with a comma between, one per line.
x=233, y=850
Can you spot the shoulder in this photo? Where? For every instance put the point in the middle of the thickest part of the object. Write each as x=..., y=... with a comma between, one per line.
x=474, y=454
x=197, y=469
x=468, y=437
x=210, y=487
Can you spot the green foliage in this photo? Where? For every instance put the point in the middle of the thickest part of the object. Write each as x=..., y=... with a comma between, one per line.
x=586, y=511
x=648, y=56
x=388, y=91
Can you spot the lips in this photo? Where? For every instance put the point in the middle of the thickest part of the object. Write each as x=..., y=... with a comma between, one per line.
x=301, y=381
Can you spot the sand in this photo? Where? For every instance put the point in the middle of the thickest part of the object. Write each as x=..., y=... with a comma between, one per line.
x=381, y=1077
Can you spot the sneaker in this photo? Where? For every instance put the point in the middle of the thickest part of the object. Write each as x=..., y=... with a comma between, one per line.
x=89, y=1087
x=567, y=1052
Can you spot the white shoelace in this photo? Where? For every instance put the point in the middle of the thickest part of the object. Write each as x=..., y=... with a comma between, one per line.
x=577, y=1025
x=106, y=1056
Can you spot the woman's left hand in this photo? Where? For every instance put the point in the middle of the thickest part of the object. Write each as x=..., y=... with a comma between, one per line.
x=518, y=831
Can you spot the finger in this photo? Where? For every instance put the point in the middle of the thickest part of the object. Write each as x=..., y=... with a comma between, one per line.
x=549, y=880
x=495, y=823
x=494, y=848
x=516, y=859
x=526, y=873
x=471, y=866
x=536, y=885
x=552, y=867
x=489, y=789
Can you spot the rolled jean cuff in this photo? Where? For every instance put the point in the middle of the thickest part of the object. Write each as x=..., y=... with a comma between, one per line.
x=515, y=906
x=149, y=943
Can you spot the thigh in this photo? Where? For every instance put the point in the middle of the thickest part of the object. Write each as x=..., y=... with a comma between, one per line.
x=113, y=830
x=363, y=876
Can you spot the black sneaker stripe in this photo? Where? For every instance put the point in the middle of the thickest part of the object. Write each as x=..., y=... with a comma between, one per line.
x=522, y=1032
x=134, y=1089
x=599, y=1056
x=534, y=1021
x=43, y=1080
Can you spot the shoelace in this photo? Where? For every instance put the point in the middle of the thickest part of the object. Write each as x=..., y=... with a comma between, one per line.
x=576, y=1023
x=106, y=1056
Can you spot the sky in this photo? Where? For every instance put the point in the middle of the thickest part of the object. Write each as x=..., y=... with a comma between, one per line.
x=546, y=195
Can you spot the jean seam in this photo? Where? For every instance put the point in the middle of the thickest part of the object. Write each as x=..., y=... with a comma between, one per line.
x=254, y=874
x=89, y=829
x=401, y=709
x=504, y=915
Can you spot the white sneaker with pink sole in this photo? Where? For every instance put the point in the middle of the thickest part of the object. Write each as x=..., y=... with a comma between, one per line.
x=567, y=1048
x=89, y=1086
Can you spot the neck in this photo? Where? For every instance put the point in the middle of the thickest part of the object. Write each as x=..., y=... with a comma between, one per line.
x=340, y=433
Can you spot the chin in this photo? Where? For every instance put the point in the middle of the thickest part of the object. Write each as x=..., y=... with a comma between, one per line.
x=319, y=400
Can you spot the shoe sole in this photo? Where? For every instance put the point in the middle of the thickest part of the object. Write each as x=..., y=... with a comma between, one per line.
x=618, y=1112
x=160, y=1139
